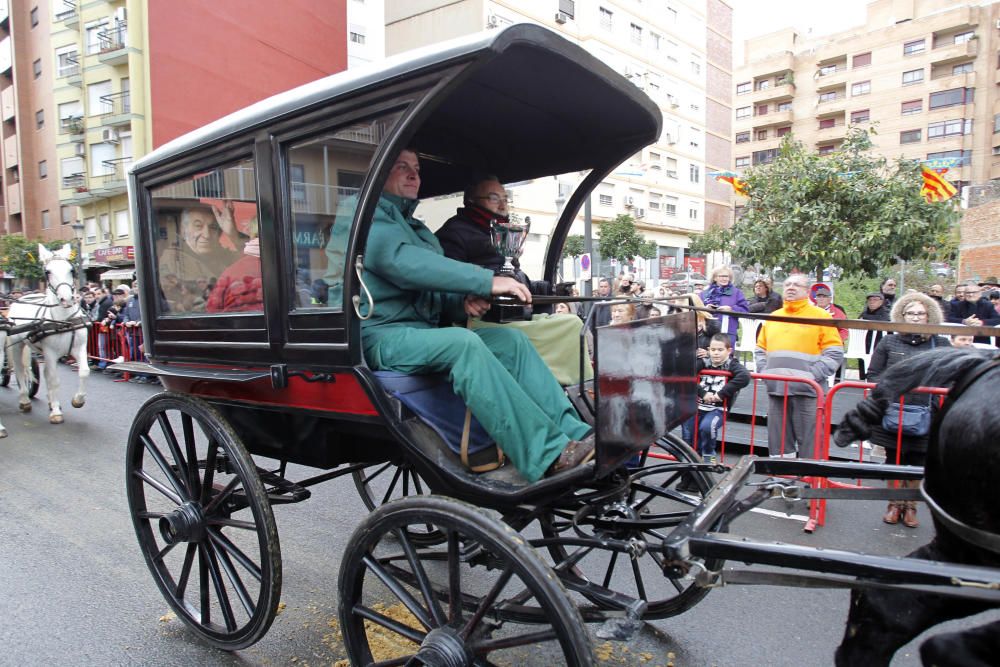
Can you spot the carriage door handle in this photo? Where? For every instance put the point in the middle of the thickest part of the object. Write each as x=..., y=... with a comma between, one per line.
x=356, y=299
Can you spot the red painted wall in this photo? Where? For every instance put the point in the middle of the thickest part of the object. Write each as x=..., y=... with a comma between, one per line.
x=208, y=59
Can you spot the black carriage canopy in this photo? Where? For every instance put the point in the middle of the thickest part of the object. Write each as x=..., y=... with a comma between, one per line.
x=525, y=103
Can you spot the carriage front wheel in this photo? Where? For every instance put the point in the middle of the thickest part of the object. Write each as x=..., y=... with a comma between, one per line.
x=483, y=597
x=7, y=372
x=203, y=520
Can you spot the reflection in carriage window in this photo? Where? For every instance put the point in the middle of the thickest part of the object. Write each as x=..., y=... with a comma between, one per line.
x=207, y=242
x=325, y=176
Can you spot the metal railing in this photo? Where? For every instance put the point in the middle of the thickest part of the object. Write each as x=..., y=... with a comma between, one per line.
x=112, y=39
x=114, y=171
x=68, y=65
x=74, y=181
x=71, y=125
x=116, y=104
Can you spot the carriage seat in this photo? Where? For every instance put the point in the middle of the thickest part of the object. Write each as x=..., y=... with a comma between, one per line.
x=432, y=399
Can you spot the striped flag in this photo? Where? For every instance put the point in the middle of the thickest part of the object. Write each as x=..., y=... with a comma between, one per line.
x=739, y=185
x=936, y=187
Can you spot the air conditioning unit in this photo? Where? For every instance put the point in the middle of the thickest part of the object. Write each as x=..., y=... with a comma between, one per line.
x=80, y=149
x=561, y=18
x=629, y=201
x=109, y=135
x=640, y=212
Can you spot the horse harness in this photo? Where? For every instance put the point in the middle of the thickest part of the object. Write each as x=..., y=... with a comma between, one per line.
x=970, y=534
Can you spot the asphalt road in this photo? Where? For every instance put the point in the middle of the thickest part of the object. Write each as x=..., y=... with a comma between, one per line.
x=74, y=588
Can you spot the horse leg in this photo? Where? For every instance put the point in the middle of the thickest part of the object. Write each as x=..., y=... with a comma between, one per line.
x=20, y=353
x=977, y=647
x=83, y=368
x=882, y=621
x=3, y=346
x=52, y=384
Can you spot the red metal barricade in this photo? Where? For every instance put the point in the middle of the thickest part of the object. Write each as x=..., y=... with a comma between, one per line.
x=107, y=343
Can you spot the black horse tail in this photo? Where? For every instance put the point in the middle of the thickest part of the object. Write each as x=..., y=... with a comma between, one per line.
x=936, y=368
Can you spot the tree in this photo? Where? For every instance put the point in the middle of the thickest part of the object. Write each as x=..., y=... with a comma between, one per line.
x=619, y=239
x=851, y=209
x=574, y=246
x=19, y=256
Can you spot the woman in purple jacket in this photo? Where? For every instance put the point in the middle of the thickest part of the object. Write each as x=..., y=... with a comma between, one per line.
x=721, y=295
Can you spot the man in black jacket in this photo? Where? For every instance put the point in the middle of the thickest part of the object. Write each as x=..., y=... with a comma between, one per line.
x=974, y=311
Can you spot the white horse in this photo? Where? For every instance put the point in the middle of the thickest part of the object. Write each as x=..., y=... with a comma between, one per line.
x=53, y=324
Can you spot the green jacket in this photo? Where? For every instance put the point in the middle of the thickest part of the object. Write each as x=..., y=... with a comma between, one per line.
x=410, y=280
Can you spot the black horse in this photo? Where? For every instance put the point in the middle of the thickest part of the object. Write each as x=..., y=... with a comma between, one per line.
x=962, y=478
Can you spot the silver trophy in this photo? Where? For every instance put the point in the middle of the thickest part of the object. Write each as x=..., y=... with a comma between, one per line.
x=508, y=240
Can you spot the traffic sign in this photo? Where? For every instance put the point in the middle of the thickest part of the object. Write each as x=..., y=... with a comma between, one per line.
x=585, y=266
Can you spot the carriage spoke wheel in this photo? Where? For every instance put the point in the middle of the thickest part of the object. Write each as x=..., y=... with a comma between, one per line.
x=384, y=481
x=658, y=498
x=203, y=521
x=483, y=597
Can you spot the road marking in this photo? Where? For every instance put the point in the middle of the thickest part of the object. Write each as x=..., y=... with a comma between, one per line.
x=780, y=515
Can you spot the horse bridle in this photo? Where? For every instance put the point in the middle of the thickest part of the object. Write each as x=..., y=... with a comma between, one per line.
x=970, y=534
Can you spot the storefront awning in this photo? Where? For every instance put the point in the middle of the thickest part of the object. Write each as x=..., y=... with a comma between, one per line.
x=119, y=274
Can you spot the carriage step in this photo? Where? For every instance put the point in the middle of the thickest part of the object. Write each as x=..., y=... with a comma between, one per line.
x=282, y=491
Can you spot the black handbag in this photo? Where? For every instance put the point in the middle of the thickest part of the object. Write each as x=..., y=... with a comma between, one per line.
x=915, y=419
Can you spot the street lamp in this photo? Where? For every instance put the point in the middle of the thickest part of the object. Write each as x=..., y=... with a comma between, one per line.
x=78, y=236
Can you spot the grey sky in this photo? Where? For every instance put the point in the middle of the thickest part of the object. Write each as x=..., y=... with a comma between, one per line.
x=752, y=18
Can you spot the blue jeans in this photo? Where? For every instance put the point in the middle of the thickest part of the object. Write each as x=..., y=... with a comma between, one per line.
x=709, y=423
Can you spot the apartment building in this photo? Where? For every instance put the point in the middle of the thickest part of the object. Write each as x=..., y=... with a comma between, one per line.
x=923, y=73
x=88, y=86
x=678, y=51
x=365, y=31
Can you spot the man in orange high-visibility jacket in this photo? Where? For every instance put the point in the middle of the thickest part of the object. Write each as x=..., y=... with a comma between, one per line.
x=798, y=351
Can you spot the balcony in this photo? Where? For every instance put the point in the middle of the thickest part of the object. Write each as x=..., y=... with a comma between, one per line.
x=113, y=44
x=116, y=109
x=79, y=192
x=4, y=15
x=73, y=126
x=772, y=119
x=832, y=78
x=69, y=16
x=773, y=64
x=112, y=181
x=995, y=169
x=943, y=55
x=8, y=106
x=831, y=106
x=13, y=199
x=68, y=68
x=10, y=153
x=778, y=93
x=836, y=132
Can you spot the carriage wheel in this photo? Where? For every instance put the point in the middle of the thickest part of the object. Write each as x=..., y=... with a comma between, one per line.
x=36, y=381
x=381, y=482
x=5, y=370
x=652, y=496
x=483, y=598
x=203, y=520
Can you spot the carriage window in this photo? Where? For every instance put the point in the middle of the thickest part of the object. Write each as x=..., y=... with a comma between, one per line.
x=207, y=242
x=325, y=176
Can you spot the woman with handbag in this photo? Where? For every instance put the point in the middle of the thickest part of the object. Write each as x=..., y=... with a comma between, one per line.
x=910, y=432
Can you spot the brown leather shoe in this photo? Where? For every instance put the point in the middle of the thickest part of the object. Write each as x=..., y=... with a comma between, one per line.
x=576, y=453
x=892, y=514
x=910, y=517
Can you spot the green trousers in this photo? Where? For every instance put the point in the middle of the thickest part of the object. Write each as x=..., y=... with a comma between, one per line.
x=500, y=377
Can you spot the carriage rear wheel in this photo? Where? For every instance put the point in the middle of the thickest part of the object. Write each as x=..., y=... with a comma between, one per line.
x=384, y=481
x=203, y=520
x=657, y=498
x=484, y=597
x=7, y=372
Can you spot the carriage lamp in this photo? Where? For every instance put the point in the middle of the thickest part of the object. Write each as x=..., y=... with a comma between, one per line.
x=78, y=237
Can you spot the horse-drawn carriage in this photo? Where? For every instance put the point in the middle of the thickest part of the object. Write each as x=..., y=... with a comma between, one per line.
x=481, y=565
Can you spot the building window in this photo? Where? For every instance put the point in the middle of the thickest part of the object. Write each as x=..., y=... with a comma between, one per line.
x=911, y=48
x=862, y=60
x=783, y=106
x=963, y=37
x=121, y=224
x=825, y=123
x=693, y=213
x=763, y=84
x=743, y=112
x=95, y=92
x=828, y=97
x=94, y=37
x=826, y=150
x=672, y=15
x=607, y=18
x=760, y=110
x=357, y=37
x=950, y=98
x=34, y=16
x=742, y=162
x=743, y=88
x=965, y=156
x=90, y=230
x=862, y=116
x=760, y=135
x=66, y=214
x=671, y=167
x=46, y=222
x=949, y=128
x=654, y=201
x=605, y=200
x=43, y=169
x=782, y=131
x=964, y=68
x=635, y=31
x=67, y=63
x=909, y=136
x=695, y=67
x=827, y=70
x=39, y=119
x=765, y=157
x=913, y=76
x=654, y=41
x=861, y=88
x=912, y=107
x=742, y=137
x=36, y=67
x=670, y=207
x=695, y=173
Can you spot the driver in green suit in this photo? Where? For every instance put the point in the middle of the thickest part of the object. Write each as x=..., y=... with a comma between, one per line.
x=496, y=371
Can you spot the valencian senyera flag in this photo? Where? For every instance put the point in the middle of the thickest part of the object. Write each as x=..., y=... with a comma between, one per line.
x=739, y=185
x=936, y=187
